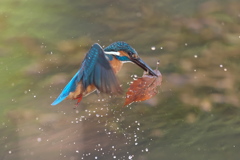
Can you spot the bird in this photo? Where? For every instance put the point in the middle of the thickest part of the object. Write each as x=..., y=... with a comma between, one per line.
x=98, y=71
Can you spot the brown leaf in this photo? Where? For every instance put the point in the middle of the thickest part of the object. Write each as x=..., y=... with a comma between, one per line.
x=143, y=88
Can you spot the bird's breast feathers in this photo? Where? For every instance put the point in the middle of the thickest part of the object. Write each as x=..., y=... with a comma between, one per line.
x=116, y=65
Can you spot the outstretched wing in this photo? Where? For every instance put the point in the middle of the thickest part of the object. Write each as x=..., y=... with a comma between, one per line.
x=95, y=70
x=98, y=71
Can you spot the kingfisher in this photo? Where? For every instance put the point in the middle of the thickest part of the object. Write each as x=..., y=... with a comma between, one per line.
x=98, y=71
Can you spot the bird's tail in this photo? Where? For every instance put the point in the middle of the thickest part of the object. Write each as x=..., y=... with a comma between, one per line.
x=70, y=87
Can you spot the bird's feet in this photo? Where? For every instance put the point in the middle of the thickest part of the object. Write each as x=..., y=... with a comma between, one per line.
x=78, y=98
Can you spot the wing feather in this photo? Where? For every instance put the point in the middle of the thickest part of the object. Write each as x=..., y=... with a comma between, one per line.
x=98, y=71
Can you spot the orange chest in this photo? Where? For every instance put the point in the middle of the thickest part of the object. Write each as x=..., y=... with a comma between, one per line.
x=116, y=65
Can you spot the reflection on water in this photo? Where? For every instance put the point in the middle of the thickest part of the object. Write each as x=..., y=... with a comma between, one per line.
x=195, y=115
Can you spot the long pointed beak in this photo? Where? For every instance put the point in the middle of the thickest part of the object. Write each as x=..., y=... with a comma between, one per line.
x=144, y=66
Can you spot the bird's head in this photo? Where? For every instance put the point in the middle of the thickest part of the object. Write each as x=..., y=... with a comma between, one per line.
x=125, y=53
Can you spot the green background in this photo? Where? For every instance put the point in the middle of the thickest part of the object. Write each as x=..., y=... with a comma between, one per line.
x=195, y=115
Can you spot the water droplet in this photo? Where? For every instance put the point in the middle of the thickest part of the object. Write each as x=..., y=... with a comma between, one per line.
x=130, y=156
x=39, y=139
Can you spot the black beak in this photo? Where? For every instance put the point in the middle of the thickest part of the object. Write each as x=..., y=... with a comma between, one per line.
x=144, y=66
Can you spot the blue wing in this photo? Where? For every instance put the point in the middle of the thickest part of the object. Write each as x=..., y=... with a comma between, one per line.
x=98, y=71
x=70, y=87
x=95, y=70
